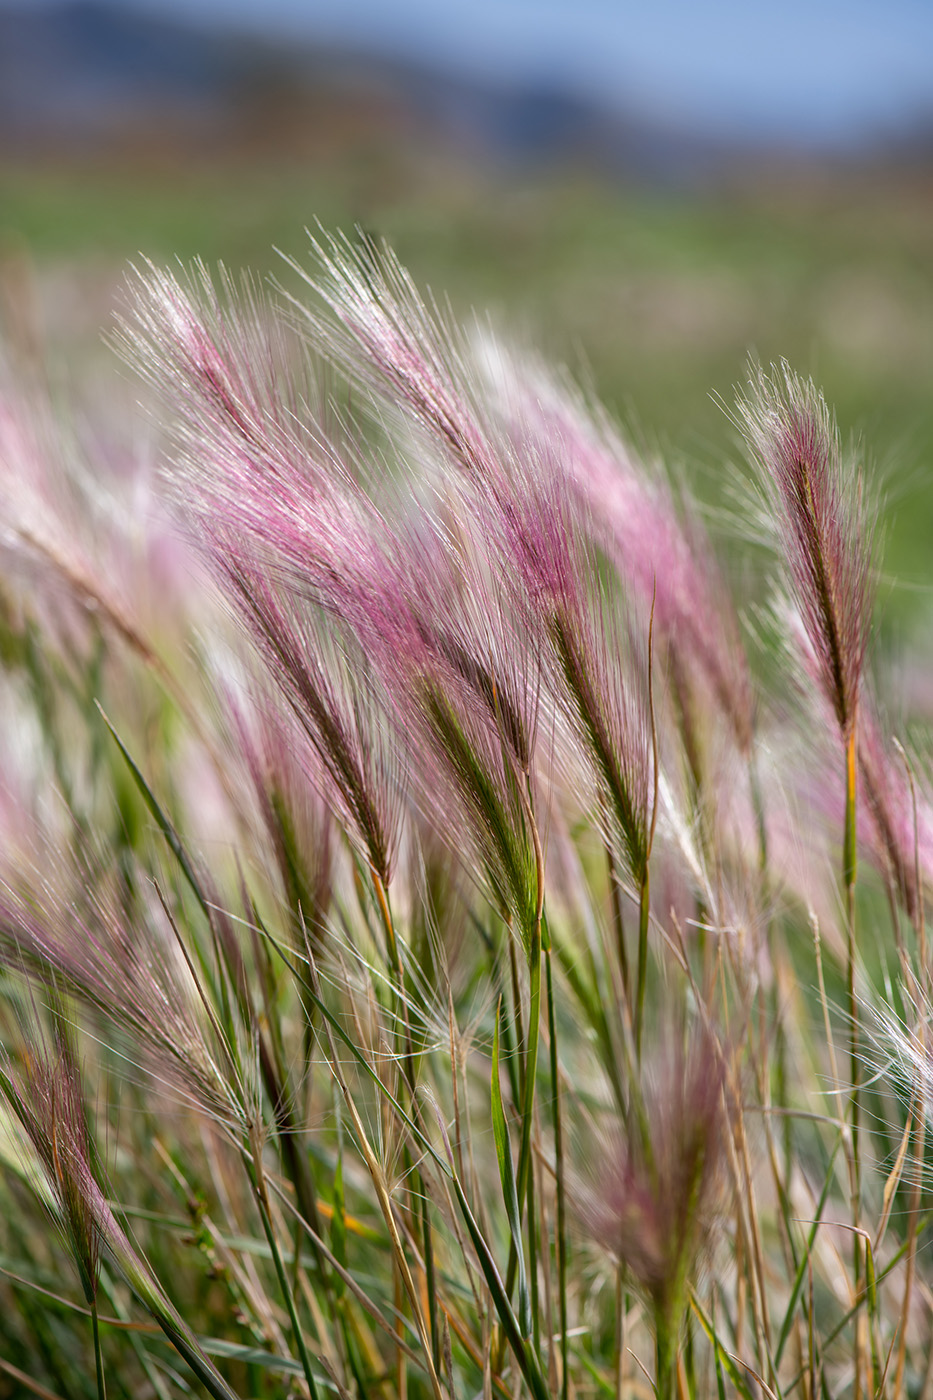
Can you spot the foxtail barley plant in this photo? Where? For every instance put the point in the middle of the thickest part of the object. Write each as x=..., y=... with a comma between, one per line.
x=434, y=955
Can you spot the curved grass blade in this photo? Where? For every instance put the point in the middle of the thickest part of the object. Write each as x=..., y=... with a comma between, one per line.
x=172, y=838
x=890, y=1265
x=174, y=843
x=723, y=1357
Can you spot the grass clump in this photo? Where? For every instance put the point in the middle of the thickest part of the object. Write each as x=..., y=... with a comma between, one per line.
x=434, y=962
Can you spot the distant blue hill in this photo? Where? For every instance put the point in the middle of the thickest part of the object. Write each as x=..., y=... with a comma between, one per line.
x=67, y=69
x=85, y=74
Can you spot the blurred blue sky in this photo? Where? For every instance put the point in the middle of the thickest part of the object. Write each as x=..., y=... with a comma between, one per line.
x=812, y=71
x=808, y=70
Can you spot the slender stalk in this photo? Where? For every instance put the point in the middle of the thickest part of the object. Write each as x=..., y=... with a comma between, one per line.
x=644, y=893
x=912, y=1223
x=559, y=1171
x=920, y=1132
x=98, y=1357
x=849, y=867
x=397, y=972
x=524, y=1188
x=621, y=1307
x=265, y=1215
x=516, y=1071
x=533, y=1261
x=430, y=1276
x=687, y=1370
x=644, y=910
x=401, y=1361
x=618, y=923
x=531, y=1063
x=534, y=1007
x=666, y=1361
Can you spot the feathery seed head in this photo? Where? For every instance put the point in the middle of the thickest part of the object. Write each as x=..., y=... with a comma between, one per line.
x=138, y=979
x=897, y=821
x=815, y=500
x=46, y=1093
x=662, y=554
x=287, y=779
x=408, y=354
x=664, y=1176
x=328, y=682
x=602, y=682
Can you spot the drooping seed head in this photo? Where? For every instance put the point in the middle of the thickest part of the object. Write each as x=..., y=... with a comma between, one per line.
x=287, y=780
x=660, y=551
x=135, y=976
x=46, y=1093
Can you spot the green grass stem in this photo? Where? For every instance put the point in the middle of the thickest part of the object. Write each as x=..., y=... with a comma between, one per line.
x=849, y=872
x=288, y=1297
x=98, y=1355
x=644, y=912
x=559, y=1172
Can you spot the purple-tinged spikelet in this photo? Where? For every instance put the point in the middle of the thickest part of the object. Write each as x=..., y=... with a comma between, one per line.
x=383, y=330
x=333, y=696
x=136, y=977
x=463, y=687
x=664, y=557
x=286, y=778
x=604, y=671
x=664, y=1174
x=816, y=504
x=898, y=820
x=47, y=1096
x=52, y=530
x=518, y=488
